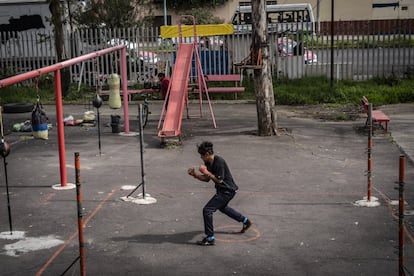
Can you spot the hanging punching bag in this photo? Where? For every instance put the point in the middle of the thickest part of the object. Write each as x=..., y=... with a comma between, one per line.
x=39, y=122
x=114, y=96
x=97, y=101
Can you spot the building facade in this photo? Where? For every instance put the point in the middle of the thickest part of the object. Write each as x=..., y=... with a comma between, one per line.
x=382, y=12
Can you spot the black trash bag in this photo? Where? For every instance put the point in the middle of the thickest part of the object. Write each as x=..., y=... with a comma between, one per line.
x=147, y=85
x=39, y=122
x=115, y=119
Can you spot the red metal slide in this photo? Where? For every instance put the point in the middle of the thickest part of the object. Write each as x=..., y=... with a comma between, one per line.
x=177, y=92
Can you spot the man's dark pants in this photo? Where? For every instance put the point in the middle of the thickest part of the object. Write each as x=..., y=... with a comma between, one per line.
x=219, y=202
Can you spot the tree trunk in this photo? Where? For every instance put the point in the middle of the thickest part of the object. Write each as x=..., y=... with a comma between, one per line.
x=57, y=10
x=265, y=101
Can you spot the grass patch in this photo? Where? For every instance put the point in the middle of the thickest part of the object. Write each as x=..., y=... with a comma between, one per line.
x=318, y=91
x=306, y=91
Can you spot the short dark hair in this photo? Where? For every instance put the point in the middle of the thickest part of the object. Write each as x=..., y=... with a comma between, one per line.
x=205, y=147
x=161, y=75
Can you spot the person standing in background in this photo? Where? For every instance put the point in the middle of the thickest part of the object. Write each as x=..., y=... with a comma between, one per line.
x=164, y=83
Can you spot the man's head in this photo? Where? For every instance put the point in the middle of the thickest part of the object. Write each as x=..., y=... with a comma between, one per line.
x=161, y=76
x=205, y=150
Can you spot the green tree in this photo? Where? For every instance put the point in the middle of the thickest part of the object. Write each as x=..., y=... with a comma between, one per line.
x=200, y=9
x=185, y=5
x=202, y=16
x=112, y=13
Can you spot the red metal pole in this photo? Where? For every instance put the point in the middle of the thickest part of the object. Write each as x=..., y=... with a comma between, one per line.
x=58, y=91
x=401, y=217
x=369, y=174
x=369, y=170
x=61, y=132
x=45, y=70
x=80, y=215
x=124, y=81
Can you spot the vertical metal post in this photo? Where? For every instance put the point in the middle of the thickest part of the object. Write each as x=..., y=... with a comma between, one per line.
x=318, y=17
x=61, y=133
x=5, y=150
x=124, y=82
x=141, y=148
x=99, y=133
x=80, y=215
x=8, y=196
x=369, y=151
x=401, y=217
x=165, y=13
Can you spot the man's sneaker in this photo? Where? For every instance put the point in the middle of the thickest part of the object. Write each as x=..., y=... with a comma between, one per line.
x=206, y=242
x=246, y=226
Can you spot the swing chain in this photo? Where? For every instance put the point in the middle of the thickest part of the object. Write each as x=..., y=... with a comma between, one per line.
x=37, y=88
x=97, y=76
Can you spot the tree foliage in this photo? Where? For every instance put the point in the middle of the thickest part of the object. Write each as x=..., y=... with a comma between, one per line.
x=186, y=5
x=112, y=13
x=202, y=16
x=131, y=13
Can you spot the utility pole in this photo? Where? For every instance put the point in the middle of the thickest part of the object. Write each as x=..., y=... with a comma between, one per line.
x=318, y=18
x=165, y=12
x=332, y=42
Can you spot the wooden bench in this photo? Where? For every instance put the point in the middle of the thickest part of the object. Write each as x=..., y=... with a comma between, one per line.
x=235, y=78
x=224, y=78
x=377, y=115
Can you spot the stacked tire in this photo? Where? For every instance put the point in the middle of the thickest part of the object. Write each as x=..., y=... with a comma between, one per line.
x=17, y=107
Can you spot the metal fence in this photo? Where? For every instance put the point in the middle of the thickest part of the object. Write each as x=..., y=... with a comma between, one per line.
x=357, y=53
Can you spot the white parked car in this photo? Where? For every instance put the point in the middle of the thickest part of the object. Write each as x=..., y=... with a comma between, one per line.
x=288, y=47
x=147, y=58
x=211, y=42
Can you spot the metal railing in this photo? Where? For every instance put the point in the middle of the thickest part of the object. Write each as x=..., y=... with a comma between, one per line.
x=360, y=52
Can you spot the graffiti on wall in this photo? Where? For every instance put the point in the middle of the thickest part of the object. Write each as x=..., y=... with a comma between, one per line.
x=23, y=23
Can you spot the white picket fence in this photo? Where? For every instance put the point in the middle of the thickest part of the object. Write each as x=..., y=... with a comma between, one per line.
x=355, y=55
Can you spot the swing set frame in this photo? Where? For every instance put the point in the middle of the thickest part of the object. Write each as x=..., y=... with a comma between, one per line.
x=56, y=68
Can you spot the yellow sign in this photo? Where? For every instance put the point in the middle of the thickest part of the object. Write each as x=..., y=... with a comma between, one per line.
x=202, y=30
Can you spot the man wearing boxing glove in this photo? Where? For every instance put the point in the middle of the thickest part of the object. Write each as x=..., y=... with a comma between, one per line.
x=215, y=168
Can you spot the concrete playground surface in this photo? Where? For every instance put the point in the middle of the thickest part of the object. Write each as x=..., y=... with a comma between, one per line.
x=300, y=189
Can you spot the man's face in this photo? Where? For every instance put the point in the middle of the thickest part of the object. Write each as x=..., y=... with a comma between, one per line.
x=206, y=157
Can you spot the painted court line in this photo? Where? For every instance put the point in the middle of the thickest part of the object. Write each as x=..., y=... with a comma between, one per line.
x=63, y=246
x=388, y=200
x=237, y=233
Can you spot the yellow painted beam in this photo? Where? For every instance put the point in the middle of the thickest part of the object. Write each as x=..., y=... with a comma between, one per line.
x=202, y=30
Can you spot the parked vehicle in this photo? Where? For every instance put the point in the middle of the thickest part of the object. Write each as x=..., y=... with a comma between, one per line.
x=280, y=18
x=211, y=42
x=147, y=58
x=289, y=47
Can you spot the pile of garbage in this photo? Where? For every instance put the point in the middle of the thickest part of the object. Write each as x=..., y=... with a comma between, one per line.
x=25, y=126
x=89, y=119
